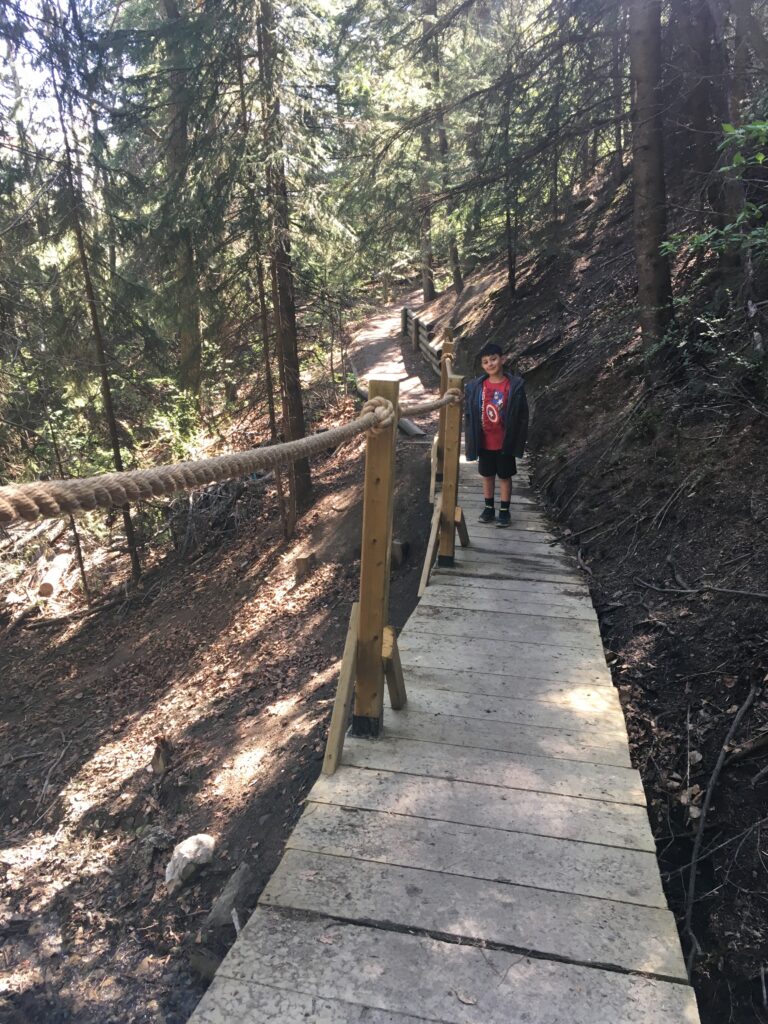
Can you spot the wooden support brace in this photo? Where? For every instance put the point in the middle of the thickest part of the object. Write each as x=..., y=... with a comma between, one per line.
x=375, y=557
x=461, y=527
x=393, y=670
x=434, y=534
x=344, y=693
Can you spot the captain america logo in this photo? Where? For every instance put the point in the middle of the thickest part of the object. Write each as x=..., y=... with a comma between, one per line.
x=491, y=413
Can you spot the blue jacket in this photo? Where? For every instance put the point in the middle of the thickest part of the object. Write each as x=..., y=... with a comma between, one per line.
x=515, y=417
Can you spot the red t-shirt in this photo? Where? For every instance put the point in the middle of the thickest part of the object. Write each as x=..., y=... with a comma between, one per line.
x=495, y=396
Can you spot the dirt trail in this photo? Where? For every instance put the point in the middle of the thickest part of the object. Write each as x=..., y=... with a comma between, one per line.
x=226, y=665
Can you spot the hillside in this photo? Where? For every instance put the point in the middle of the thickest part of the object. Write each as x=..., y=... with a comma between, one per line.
x=661, y=490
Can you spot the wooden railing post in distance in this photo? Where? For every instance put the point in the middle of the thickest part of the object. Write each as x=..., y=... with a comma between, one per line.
x=446, y=358
x=374, y=568
x=415, y=332
x=450, y=477
x=404, y=320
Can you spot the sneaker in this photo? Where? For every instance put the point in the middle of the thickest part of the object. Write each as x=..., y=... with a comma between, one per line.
x=505, y=519
x=488, y=515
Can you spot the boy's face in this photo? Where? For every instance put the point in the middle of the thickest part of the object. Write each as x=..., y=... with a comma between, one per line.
x=491, y=365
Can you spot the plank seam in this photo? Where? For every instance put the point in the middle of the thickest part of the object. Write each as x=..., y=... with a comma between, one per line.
x=513, y=753
x=464, y=940
x=491, y=785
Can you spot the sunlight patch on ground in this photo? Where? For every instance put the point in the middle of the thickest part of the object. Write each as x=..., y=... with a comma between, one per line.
x=240, y=771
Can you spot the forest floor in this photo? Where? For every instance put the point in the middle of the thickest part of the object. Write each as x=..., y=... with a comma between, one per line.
x=199, y=704
x=661, y=491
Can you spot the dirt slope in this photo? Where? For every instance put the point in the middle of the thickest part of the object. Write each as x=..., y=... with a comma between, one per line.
x=220, y=671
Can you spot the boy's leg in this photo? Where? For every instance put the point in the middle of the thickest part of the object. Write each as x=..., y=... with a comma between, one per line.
x=487, y=469
x=507, y=467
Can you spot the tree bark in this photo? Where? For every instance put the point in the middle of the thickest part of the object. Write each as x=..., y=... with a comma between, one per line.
x=650, y=199
x=280, y=245
x=177, y=158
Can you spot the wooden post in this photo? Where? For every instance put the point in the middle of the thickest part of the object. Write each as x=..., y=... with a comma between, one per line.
x=446, y=354
x=374, y=568
x=415, y=332
x=404, y=320
x=450, y=477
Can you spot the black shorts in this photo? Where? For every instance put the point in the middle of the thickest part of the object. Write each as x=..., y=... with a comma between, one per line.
x=496, y=464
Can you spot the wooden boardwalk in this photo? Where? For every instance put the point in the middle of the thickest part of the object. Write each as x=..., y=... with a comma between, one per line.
x=489, y=860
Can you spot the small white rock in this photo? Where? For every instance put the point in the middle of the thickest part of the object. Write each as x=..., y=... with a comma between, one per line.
x=188, y=856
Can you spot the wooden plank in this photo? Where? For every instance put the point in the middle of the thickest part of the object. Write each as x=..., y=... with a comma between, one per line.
x=514, y=857
x=445, y=982
x=374, y=566
x=393, y=670
x=518, y=568
x=553, y=663
x=567, y=589
x=607, y=722
x=453, y=415
x=541, y=557
x=248, y=1002
x=492, y=684
x=541, y=814
x=577, y=928
x=344, y=693
x=511, y=541
x=525, y=602
x=532, y=629
x=499, y=768
x=568, y=744
x=522, y=517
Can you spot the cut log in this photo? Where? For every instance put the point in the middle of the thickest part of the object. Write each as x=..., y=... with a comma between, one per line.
x=54, y=574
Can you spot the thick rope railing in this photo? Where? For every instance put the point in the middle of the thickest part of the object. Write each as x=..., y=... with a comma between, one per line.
x=452, y=396
x=49, y=498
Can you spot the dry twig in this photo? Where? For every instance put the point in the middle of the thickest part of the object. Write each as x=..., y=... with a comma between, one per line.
x=691, y=893
x=706, y=588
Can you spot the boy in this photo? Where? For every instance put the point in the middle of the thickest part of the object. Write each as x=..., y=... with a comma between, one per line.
x=496, y=429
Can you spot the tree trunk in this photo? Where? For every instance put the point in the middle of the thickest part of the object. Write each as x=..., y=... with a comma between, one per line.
x=186, y=296
x=650, y=200
x=617, y=61
x=280, y=245
x=73, y=182
x=432, y=56
x=427, y=157
x=510, y=199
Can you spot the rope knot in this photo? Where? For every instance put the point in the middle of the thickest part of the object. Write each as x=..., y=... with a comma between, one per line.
x=383, y=411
